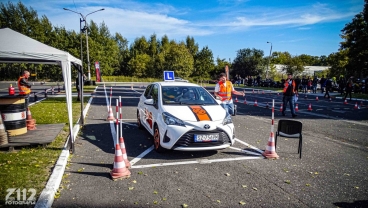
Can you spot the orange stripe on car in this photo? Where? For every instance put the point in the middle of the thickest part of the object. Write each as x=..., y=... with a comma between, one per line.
x=200, y=113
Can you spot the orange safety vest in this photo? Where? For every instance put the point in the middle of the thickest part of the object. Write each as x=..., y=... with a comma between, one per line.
x=225, y=91
x=23, y=90
x=287, y=85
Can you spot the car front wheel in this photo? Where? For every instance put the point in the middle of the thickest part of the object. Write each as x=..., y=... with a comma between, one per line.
x=156, y=140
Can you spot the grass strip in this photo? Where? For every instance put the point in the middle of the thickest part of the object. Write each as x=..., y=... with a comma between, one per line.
x=30, y=167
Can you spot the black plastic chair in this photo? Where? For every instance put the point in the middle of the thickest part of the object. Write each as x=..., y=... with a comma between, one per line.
x=290, y=129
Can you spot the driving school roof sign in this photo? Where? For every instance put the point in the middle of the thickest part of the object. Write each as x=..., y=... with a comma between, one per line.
x=169, y=76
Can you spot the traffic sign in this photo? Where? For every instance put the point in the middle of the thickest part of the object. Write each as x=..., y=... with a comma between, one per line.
x=169, y=76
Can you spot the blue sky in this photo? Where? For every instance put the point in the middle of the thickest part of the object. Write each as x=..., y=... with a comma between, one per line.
x=225, y=26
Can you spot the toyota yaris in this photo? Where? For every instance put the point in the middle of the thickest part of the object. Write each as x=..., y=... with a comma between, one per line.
x=184, y=116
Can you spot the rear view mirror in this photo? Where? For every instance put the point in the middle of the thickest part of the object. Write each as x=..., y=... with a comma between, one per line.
x=149, y=102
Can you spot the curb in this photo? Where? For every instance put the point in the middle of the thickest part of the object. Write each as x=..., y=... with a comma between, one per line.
x=47, y=195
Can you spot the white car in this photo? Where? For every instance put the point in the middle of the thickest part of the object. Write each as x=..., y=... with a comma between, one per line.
x=184, y=116
x=179, y=79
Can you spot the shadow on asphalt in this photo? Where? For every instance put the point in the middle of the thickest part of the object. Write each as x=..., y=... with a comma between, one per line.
x=360, y=203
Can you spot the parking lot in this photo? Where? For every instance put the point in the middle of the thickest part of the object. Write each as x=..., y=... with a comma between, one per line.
x=332, y=171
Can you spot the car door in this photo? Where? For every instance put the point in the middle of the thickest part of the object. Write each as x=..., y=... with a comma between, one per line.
x=151, y=109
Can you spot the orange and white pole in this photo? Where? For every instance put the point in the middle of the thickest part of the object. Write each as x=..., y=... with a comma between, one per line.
x=117, y=122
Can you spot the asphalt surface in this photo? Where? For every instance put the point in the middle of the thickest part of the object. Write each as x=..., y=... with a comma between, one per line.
x=331, y=173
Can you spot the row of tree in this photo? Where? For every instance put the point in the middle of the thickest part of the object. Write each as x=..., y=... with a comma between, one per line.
x=149, y=57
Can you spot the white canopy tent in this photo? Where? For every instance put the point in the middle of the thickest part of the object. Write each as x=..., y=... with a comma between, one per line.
x=18, y=48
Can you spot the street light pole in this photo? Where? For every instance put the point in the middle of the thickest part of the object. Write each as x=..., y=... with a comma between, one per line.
x=84, y=18
x=269, y=59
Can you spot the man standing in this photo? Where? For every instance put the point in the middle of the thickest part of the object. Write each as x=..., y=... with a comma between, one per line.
x=328, y=87
x=323, y=84
x=24, y=87
x=223, y=91
x=289, y=92
x=314, y=84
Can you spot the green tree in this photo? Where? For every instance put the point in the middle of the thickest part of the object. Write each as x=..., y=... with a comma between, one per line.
x=138, y=64
x=179, y=60
x=203, y=64
x=248, y=62
x=192, y=46
x=355, y=35
x=293, y=65
x=337, y=62
x=219, y=68
x=123, y=55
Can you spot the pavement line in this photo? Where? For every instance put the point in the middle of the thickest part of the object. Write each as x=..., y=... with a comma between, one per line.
x=348, y=121
x=245, y=151
x=248, y=145
x=46, y=198
x=139, y=157
x=201, y=161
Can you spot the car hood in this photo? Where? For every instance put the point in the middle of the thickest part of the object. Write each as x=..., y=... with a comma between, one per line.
x=195, y=113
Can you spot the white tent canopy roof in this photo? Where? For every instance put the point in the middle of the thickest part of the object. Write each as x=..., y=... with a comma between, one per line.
x=16, y=47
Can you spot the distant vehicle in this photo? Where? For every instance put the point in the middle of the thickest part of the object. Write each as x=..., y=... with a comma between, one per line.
x=179, y=79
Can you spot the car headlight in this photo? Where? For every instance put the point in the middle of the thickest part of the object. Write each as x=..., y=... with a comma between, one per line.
x=172, y=120
x=227, y=119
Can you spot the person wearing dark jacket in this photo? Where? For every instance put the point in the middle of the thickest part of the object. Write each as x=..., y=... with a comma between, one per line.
x=289, y=93
x=349, y=87
x=23, y=85
x=341, y=85
x=328, y=84
x=298, y=83
x=24, y=88
x=322, y=82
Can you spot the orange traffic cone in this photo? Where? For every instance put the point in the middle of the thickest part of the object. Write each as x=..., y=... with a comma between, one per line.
x=270, y=152
x=281, y=108
x=356, y=106
x=255, y=103
x=245, y=100
x=310, y=107
x=31, y=123
x=110, y=117
x=123, y=151
x=317, y=98
x=345, y=102
x=236, y=99
x=296, y=107
x=267, y=105
x=119, y=170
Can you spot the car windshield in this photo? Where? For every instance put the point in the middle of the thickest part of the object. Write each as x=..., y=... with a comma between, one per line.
x=186, y=95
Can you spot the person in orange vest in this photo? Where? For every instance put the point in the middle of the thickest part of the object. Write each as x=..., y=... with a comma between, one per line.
x=223, y=91
x=289, y=95
x=24, y=87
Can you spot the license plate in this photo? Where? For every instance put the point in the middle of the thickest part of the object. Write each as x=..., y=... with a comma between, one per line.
x=206, y=137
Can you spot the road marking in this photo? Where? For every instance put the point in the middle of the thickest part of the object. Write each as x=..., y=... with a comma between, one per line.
x=200, y=161
x=139, y=157
x=338, y=111
x=348, y=121
x=245, y=151
x=248, y=145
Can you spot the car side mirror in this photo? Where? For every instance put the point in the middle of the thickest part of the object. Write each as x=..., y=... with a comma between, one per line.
x=149, y=102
